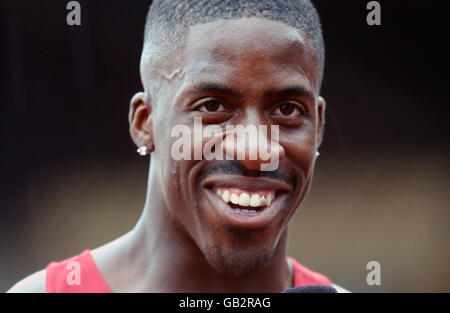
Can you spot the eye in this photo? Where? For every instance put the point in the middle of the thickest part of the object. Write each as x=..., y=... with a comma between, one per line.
x=289, y=110
x=212, y=107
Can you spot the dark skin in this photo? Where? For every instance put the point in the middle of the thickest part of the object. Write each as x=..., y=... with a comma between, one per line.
x=268, y=75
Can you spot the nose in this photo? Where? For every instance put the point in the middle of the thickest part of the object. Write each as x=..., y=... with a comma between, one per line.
x=257, y=148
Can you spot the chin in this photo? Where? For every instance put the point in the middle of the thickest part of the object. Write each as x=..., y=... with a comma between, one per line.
x=238, y=261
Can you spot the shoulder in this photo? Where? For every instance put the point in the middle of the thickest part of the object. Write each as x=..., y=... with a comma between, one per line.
x=303, y=276
x=34, y=283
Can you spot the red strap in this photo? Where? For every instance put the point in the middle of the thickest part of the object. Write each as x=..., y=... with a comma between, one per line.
x=77, y=274
x=303, y=276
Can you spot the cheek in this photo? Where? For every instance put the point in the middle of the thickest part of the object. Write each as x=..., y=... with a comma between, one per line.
x=169, y=171
x=300, y=145
x=180, y=195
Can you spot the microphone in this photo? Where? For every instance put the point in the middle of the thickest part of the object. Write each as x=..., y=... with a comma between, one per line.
x=311, y=289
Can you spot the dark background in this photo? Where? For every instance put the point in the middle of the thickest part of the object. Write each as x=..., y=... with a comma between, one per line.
x=70, y=178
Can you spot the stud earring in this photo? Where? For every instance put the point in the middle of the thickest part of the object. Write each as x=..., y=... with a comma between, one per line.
x=143, y=150
x=317, y=154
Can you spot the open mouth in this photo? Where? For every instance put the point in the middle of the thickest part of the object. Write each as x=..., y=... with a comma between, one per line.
x=246, y=202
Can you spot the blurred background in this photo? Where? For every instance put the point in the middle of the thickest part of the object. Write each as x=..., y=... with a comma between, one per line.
x=70, y=177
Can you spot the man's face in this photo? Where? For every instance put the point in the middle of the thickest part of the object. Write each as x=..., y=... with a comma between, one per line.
x=248, y=71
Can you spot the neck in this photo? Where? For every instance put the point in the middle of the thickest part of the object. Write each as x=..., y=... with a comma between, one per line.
x=167, y=259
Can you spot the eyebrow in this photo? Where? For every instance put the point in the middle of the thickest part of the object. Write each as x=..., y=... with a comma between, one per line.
x=207, y=87
x=291, y=91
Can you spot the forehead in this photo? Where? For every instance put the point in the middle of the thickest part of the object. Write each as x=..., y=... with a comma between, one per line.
x=248, y=49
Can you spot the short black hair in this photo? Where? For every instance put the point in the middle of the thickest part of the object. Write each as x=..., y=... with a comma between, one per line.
x=169, y=20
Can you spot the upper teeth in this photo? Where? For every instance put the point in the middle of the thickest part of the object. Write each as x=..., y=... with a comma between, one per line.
x=255, y=199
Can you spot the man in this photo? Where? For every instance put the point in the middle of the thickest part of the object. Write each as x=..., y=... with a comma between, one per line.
x=215, y=225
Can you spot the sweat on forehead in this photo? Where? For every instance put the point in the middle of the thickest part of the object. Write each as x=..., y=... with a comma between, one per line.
x=168, y=23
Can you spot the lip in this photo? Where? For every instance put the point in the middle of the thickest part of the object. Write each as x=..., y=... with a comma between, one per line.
x=245, y=183
x=233, y=219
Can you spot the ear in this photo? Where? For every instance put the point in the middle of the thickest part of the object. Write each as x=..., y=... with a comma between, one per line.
x=139, y=118
x=321, y=105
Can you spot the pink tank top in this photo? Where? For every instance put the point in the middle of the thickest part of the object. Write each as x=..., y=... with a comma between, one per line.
x=80, y=274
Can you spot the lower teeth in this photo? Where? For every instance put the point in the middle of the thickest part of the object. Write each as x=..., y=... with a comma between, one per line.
x=245, y=211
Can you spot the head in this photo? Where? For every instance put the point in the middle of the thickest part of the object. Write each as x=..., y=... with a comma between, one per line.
x=231, y=63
